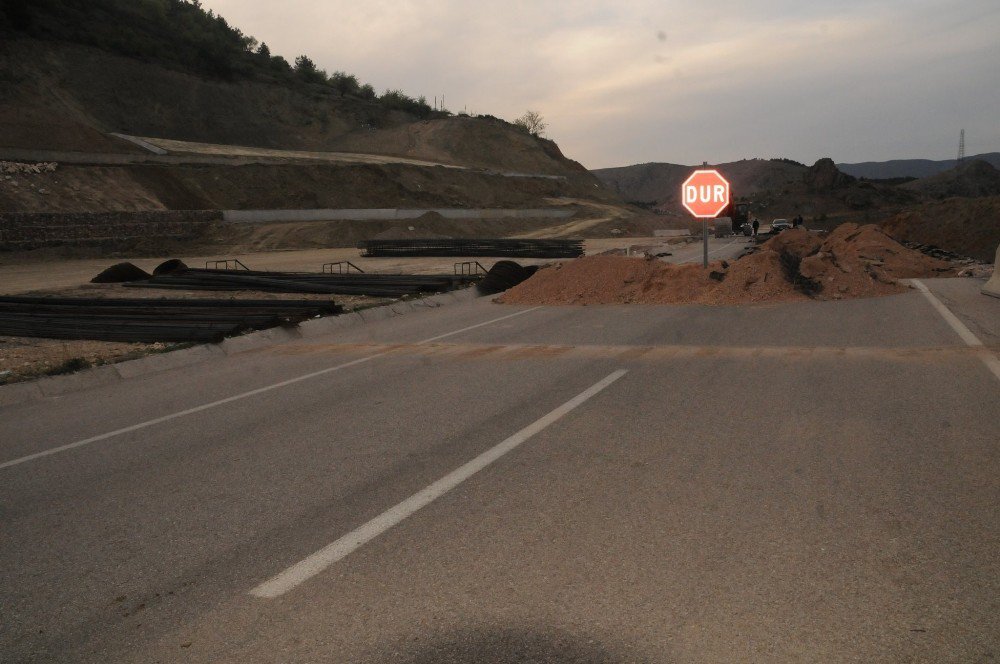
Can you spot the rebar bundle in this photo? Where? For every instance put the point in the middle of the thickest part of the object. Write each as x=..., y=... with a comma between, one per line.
x=150, y=320
x=374, y=285
x=509, y=247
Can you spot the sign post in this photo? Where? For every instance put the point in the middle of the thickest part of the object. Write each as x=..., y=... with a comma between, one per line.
x=705, y=194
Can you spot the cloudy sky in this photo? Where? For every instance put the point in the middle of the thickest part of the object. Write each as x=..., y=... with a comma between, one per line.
x=630, y=81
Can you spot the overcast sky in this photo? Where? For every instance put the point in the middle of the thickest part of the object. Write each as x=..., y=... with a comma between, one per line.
x=630, y=81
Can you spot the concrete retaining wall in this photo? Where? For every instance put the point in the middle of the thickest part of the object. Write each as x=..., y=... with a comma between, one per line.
x=388, y=214
x=992, y=286
x=31, y=230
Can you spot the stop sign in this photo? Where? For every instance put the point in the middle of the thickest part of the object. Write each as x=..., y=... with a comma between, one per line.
x=705, y=194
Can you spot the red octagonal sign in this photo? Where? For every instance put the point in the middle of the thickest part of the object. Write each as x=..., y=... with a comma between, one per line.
x=705, y=194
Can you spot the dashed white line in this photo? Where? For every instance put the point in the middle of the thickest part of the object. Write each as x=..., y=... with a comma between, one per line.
x=970, y=339
x=236, y=397
x=331, y=553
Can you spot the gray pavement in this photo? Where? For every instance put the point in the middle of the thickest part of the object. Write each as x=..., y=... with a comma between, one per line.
x=723, y=248
x=797, y=482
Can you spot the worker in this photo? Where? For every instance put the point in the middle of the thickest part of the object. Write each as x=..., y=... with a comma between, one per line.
x=756, y=225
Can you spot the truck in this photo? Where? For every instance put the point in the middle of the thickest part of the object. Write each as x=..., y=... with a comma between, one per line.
x=739, y=216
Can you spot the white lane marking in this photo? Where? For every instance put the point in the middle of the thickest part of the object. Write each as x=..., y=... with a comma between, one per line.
x=309, y=567
x=970, y=339
x=236, y=397
x=715, y=251
x=472, y=327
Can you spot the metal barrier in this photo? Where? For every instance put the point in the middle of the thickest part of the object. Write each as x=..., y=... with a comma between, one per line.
x=227, y=264
x=470, y=268
x=343, y=267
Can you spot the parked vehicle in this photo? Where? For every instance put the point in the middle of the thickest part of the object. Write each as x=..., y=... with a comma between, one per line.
x=779, y=225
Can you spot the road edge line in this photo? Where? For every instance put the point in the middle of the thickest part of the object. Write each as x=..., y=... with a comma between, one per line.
x=42, y=388
x=236, y=397
x=960, y=328
x=345, y=545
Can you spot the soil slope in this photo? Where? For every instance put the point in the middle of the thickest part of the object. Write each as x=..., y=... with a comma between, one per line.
x=476, y=142
x=278, y=186
x=966, y=226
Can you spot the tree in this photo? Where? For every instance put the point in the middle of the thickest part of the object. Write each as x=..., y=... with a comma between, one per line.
x=345, y=84
x=306, y=69
x=532, y=123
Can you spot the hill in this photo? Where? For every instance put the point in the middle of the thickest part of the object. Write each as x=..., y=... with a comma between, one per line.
x=180, y=35
x=658, y=183
x=776, y=187
x=74, y=71
x=913, y=168
x=59, y=96
x=972, y=179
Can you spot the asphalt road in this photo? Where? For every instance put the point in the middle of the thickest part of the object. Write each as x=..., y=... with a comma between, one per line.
x=802, y=482
x=723, y=248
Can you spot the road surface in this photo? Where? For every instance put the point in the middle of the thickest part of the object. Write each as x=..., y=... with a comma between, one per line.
x=801, y=482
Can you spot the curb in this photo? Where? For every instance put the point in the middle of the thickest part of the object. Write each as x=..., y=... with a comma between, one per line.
x=53, y=386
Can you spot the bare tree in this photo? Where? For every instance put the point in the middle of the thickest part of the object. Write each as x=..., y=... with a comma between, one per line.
x=531, y=122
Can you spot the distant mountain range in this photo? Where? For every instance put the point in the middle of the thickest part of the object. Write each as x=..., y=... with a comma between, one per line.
x=913, y=168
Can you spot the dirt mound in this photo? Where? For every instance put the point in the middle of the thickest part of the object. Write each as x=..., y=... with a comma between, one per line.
x=853, y=261
x=797, y=241
x=120, y=273
x=970, y=227
x=170, y=266
x=610, y=280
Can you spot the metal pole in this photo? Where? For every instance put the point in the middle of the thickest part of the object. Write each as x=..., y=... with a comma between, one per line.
x=704, y=225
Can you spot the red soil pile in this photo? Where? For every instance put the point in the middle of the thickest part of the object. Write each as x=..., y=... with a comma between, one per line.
x=853, y=261
x=610, y=280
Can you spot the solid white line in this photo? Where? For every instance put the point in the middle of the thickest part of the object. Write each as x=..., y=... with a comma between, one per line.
x=970, y=339
x=302, y=571
x=236, y=397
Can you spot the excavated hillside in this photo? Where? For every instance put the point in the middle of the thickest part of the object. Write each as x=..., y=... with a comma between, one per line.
x=77, y=188
x=965, y=226
x=480, y=142
x=59, y=97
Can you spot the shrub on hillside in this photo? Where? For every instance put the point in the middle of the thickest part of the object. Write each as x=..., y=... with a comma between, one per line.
x=180, y=35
